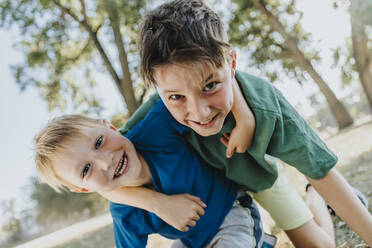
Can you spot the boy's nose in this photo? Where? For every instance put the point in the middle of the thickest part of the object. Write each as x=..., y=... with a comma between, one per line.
x=199, y=109
x=105, y=160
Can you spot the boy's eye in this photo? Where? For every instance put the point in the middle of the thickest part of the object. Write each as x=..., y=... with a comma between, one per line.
x=98, y=142
x=176, y=97
x=210, y=86
x=85, y=170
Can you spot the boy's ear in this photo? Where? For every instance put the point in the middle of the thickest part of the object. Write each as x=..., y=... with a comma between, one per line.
x=233, y=55
x=80, y=190
x=109, y=125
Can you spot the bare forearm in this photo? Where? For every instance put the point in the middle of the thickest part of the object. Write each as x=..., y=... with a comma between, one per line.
x=340, y=196
x=139, y=197
x=240, y=108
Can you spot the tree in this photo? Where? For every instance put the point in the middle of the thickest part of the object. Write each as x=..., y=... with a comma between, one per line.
x=12, y=228
x=67, y=42
x=358, y=56
x=258, y=25
x=361, y=21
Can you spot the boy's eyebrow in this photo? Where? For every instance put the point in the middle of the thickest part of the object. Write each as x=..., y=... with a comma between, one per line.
x=208, y=78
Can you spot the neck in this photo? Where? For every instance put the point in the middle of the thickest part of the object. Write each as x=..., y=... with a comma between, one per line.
x=145, y=172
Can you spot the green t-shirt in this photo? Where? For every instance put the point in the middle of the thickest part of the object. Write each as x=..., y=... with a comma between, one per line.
x=280, y=132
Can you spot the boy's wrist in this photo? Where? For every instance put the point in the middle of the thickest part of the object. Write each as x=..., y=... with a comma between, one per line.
x=156, y=200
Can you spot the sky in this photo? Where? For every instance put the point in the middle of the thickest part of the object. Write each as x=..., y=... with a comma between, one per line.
x=24, y=114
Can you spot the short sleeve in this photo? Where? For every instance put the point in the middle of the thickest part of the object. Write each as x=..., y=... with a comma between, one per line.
x=126, y=236
x=297, y=144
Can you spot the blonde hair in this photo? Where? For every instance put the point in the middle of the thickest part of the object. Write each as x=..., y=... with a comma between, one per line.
x=52, y=139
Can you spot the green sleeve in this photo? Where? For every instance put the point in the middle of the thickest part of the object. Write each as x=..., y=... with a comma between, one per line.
x=140, y=113
x=297, y=144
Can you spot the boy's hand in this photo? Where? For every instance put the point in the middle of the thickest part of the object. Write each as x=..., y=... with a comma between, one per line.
x=180, y=211
x=238, y=141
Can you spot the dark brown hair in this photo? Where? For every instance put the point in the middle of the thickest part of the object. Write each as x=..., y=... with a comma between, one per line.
x=181, y=31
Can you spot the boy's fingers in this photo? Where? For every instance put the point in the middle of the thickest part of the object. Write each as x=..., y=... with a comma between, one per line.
x=196, y=217
x=224, y=141
x=200, y=211
x=239, y=149
x=196, y=200
x=192, y=223
x=230, y=150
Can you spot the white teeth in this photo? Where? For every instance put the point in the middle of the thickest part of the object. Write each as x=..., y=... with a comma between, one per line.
x=122, y=165
x=203, y=123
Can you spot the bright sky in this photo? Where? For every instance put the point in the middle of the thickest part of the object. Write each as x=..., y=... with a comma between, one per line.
x=24, y=114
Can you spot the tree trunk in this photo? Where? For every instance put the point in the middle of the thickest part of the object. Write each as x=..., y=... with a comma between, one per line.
x=362, y=56
x=126, y=92
x=126, y=83
x=339, y=112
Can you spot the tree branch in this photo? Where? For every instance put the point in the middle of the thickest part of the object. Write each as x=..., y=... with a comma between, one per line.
x=93, y=36
x=81, y=52
x=83, y=10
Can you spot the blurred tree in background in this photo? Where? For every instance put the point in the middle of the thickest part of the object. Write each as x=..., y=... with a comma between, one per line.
x=54, y=210
x=66, y=42
x=12, y=228
x=272, y=35
x=355, y=59
x=69, y=45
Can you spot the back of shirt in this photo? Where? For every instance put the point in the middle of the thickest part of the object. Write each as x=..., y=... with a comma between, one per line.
x=175, y=168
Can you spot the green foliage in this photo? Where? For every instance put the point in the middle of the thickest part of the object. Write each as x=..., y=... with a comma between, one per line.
x=343, y=57
x=118, y=120
x=53, y=210
x=266, y=49
x=12, y=228
x=61, y=59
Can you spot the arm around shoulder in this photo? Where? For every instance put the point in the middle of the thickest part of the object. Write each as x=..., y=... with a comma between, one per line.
x=179, y=211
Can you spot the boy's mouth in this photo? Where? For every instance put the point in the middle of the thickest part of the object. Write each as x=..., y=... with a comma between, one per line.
x=206, y=124
x=122, y=166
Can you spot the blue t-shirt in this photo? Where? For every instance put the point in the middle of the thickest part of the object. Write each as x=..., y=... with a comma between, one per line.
x=175, y=168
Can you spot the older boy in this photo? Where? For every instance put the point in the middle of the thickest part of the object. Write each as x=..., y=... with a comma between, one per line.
x=85, y=155
x=185, y=53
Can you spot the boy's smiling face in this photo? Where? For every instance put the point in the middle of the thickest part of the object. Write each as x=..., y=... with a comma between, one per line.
x=102, y=160
x=196, y=94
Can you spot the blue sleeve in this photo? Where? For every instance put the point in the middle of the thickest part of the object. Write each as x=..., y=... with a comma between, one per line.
x=126, y=236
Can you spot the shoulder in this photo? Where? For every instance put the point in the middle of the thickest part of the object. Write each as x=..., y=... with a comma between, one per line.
x=260, y=94
x=119, y=211
x=158, y=128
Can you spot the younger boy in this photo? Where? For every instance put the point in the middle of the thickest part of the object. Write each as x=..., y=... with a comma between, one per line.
x=185, y=53
x=85, y=155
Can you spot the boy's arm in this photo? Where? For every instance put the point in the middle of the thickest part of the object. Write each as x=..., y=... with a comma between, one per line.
x=340, y=196
x=241, y=136
x=180, y=211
